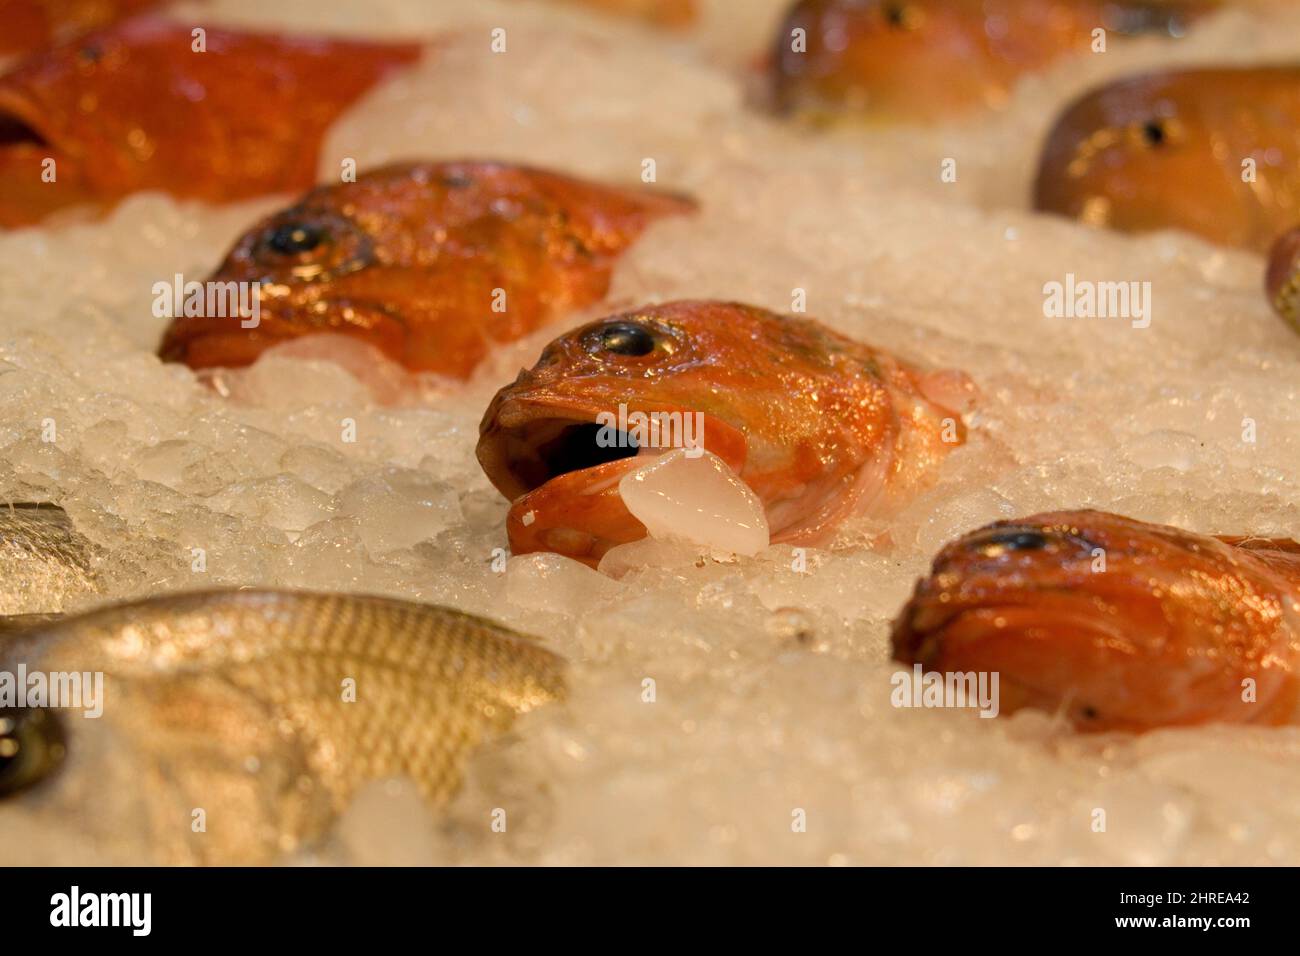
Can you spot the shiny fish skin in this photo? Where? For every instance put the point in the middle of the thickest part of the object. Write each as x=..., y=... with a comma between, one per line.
x=231, y=701
x=31, y=25
x=1166, y=151
x=921, y=61
x=1164, y=633
x=409, y=257
x=133, y=108
x=44, y=561
x=1283, y=278
x=818, y=425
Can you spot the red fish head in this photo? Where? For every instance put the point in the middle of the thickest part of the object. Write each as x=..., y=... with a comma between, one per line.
x=809, y=419
x=1283, y=279
x=143, y=105
x=433, y=263
x=1166, y=151
x=1119, y=624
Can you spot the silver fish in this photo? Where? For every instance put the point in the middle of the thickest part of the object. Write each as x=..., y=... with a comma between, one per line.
x=237, y=725
x=44, y=561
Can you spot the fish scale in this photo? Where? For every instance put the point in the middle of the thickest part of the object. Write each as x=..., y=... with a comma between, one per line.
x=232, y=701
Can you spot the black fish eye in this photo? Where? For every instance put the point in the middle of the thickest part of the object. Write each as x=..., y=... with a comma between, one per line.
x=624, y=338
x=292, y=238
x=31, y=747
x=1017, y=539
x=900, y=16
x=1153, y=133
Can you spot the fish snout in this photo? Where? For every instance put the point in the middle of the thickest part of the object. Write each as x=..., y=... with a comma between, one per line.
x=1283, y=277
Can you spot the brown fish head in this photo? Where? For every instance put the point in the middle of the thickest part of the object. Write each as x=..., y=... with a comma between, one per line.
x=809, y=419
x=1119, y=624
x=1283, y=278
x=919, y=60
x=894, y=60
x=432, y=263
x=1166, y=151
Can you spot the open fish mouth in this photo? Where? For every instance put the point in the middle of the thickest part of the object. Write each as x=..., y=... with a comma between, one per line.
x=560, y=466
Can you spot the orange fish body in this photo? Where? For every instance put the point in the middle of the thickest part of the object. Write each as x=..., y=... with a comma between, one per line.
x=432, y=263
x=31, y=25
x=1119, y=624
x=1215, y=152
x=1283, y=278
x=919, y=60
x=135, y=107
x=816, y=424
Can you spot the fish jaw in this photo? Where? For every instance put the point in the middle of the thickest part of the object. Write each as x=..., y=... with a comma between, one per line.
x=1163, y=636
x=214, y=341
x=1283, y=278
x=536, y=451
x=27, y=142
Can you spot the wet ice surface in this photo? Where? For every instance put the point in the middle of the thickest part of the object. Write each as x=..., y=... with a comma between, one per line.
x=711, y=700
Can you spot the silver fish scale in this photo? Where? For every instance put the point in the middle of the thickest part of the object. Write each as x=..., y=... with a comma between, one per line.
x=233, y=701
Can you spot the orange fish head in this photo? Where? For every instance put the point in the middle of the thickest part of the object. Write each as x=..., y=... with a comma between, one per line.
x=895, y=60
x=310, y=269
x=1150, y=153
x=1283, y=279
x=1121, y=625
x=432, y=263
x=796, y=410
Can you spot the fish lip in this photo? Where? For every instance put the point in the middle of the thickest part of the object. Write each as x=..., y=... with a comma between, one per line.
x=202, y=341
x=516, y=430
x=21, y=111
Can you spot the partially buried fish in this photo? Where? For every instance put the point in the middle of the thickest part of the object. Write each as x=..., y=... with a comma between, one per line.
x=432, y=263
x=1283, y=279
x=921, y=60
x=1119, y=624
x=819, y=426
x=139, y=106
x=44, y=561
x=31, y=25
x=267, y=710
x=1215, y=152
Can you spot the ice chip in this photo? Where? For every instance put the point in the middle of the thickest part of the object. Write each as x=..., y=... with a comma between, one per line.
x=697, y=499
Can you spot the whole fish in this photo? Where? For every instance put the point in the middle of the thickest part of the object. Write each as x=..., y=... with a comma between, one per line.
x=267, y=710
x=1118, y=624
x=31, y=25
x=921, y=60
x=1283, y=278
x=1215, y=152
x=819, y=426
x=432, y=263
x=44, y=561
x=140, y=106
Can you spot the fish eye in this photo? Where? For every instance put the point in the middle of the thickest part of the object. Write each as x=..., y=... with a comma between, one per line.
x=1016, y=539
x=901, y=16
x=305, y=245
x=292, y=238
x=626, y=338
x=32, y=746
x=1154, y=133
